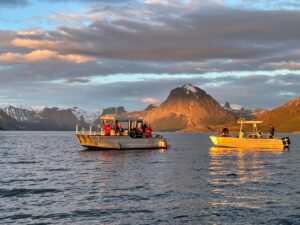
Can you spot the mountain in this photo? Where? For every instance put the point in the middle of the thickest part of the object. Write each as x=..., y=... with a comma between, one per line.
x=285, y=118
x=18, y=118
x=239, y=112
x=19, y=113
x=7, y=122
x=84, y=116
x=57, y=119
x=187, y=108
x=120, y=110
x=114, y=110
x=227, y=105
x=54, y=118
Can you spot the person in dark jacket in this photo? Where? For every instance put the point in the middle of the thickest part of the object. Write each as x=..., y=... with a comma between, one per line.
x=272, y=131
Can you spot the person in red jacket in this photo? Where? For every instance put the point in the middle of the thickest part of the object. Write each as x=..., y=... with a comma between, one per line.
x=107, y=129
x=148, y=131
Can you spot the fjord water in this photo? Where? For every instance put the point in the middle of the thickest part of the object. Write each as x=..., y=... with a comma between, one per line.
x=46, y=178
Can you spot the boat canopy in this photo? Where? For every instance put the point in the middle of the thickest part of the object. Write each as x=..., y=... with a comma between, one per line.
x=249, y=122
x=114, y=117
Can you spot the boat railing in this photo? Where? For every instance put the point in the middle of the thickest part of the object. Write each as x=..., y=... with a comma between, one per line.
x=88, y=131
x=100, y=131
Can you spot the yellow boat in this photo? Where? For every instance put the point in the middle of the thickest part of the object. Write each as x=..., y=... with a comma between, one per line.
x=254, y=140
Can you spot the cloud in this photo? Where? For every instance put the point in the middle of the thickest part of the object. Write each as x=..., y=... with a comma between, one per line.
x=211, y=35
x=26, y=2
x=168, y=34
x=37, y=44
x=77, y=80
x=39, y=56
x=282, y=65
x=267, y=5
x=150, y=100
x=159, y=45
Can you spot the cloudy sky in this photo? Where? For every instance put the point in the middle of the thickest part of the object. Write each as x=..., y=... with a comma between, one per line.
x=99, y=53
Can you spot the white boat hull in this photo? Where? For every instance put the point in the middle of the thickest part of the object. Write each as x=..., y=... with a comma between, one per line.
x=120, y=142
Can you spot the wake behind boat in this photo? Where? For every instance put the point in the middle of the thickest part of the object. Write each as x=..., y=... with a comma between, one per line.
x=254, y=140
x=121, y=133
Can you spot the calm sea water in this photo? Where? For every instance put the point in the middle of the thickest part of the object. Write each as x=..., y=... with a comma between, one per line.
x=46, y=178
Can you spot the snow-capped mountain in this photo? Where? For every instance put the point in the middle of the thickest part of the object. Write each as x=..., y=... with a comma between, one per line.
x=19, y=113
x=187, y=108
x=189, y=89
x=88, y=117
x=46, y=118
x=238, y=111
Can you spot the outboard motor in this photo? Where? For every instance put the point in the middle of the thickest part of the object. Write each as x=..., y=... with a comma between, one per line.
x=286, y=141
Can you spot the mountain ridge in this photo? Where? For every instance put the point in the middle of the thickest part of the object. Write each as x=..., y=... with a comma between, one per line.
x=187, y=108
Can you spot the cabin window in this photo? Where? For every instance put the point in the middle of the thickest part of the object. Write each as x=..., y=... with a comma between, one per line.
x=139, y=124
x=124, y=125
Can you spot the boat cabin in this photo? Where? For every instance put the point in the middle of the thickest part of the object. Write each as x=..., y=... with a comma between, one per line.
x=122, y=125
x=254, y=133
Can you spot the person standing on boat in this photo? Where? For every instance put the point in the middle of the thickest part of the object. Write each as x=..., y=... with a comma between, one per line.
x=225, y=132
x=272, y=131
x=107, y=129
x=259, y=134
x=119, y=129
x=148, y=131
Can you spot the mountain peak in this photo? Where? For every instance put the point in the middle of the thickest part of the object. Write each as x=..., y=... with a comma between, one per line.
x=227, y=105
x=189, y=88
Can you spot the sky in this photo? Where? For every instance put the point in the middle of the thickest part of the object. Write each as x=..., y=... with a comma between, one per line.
x=95, y=54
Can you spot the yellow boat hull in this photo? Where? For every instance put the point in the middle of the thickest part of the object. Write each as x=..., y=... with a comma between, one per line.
x=248, y=143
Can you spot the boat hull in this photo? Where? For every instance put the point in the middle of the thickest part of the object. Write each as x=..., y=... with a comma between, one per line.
x=120, y=142
x=249, y=143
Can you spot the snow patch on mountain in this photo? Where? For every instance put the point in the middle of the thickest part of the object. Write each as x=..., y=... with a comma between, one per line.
x=234, y=106
x=88, y=117
x=19, y=113
x=189, y=88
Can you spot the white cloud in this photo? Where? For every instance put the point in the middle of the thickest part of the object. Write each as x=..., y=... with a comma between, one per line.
x=150, y=100
x=291, y=65
x=39, y=56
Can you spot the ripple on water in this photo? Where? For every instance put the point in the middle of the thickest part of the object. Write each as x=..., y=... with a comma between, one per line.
x=4, y=193
x=24, y=162
x=45, y=178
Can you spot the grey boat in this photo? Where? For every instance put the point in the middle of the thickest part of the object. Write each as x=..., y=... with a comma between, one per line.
x=127, y=137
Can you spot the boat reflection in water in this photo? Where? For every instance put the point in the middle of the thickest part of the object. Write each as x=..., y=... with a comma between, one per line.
x=240, y=176
x=218, y=151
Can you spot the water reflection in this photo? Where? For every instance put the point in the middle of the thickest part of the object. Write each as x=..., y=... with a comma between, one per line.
x=214, y=151
x=235, y=173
